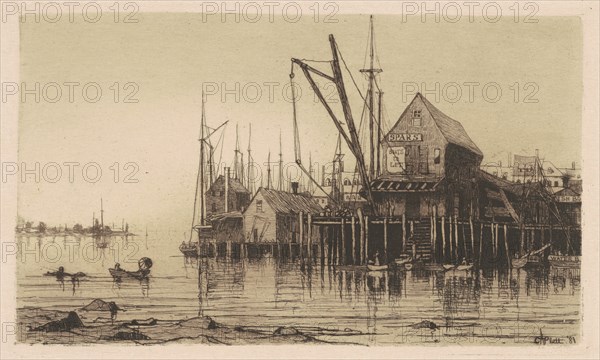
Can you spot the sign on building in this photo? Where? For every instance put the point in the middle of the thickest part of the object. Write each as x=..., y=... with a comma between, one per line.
x=405, y=137
x=396, y=159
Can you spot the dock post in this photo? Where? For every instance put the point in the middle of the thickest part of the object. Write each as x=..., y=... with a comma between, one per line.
x=404, y=233
x=456, y=236
x=508, y=259
x=309, y=235
x=480, y=241
x=472, y=237
x=353, y=240
x=361, y=241
x=443, y=239
x=494, y=241
x=385, y=239
x=301, y=231
x=342, y=256
x=321, y=244
x=366, y=239
x=522, y=241
x=435, y=255
x=451, y=238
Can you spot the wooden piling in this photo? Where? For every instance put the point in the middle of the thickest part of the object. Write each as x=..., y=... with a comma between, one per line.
x=456, y=236
x=385, y=239
x=451, y=241
x=361, y=246
x=301, y=230
x=522, y=240
x=309, y=234
x=321, y=244
x=508, y=259
x=496, y=237
x=366, y=239
x=480, y=242
x=435, y=234
x=353, y=240
x=472, y=237
x=343, y=242
x=443, y=238
x=494, y=243
x=404, y=233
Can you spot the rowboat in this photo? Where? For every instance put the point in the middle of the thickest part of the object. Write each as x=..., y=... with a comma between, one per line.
x=565, y=261
x=403, y=259
x=120, y=274
x=144, y=265
x=371, y=267
x=461, y=267
x=531, y=256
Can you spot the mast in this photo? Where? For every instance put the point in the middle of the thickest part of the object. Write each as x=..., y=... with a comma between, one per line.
x=379, y=131
x=280, y=181
x=371, y=71
x=250, y=185
x=310, y=188
x=236, y=152
x=201, y=140
x=101, y=216
x=269, y=170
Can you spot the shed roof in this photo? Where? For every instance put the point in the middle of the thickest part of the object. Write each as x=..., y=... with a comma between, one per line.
x=285, y=202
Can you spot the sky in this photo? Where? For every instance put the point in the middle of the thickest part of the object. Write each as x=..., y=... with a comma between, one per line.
x=166, y=60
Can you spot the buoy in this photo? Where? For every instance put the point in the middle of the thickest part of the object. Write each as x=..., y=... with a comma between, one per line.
x=145, y=263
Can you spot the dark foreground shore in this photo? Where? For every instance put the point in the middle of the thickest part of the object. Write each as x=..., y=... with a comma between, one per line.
x=81, y=326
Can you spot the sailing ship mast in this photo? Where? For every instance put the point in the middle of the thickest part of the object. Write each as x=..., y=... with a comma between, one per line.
x=269, y=170
x=250, y=182
x=371, y=71
x=280, y=180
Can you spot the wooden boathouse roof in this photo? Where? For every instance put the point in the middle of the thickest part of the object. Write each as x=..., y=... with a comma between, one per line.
x=285, y=202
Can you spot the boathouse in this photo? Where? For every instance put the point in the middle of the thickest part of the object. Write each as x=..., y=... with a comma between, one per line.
x=226, y=195
x=429, y=166
x=272, y=215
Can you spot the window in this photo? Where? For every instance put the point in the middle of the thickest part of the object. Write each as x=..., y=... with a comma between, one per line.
x=436, y=156
x=556, y=184
x=259, y=207
x=347, y=182
x=355, y=181
x=328, y=182
x=416, y=115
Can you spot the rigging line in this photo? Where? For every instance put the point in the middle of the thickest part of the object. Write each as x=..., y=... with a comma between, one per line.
x=364, y=99
x=297, y=152
x=316, y=61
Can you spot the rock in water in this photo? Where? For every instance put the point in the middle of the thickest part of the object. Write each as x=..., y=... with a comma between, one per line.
x=285, y=330
x=425, y=324
x=101, y=305
x=200, y=322
x=72, y=321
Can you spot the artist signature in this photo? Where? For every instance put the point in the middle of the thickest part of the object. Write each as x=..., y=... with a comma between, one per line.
x=544, y=340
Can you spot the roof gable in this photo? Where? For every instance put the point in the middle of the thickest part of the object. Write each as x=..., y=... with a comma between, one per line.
x=450, y=129
x=234, y=184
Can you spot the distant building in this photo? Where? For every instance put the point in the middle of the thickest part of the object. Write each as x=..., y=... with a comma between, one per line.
x=238, y=199
x=272, y=215
x=429, y=164
x=569, y=203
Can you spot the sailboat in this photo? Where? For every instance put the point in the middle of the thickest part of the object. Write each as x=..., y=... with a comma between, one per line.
x=528, y=258
x=200, y=226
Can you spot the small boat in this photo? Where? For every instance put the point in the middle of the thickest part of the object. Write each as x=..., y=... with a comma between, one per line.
x=144, y=265
x=461, y=267
x=565, y=261
x=120, y=274
x=531, y=256
x=372, y=267
x=403, y=259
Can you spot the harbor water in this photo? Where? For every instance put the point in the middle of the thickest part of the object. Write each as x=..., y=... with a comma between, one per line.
x=525, y=306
